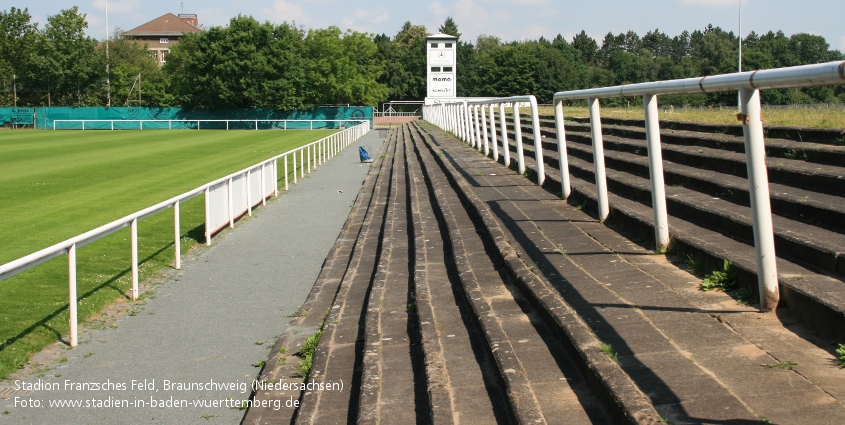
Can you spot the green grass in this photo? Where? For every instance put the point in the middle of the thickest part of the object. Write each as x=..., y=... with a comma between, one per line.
x=720, y=280
x=56, y=185
x=794, y=116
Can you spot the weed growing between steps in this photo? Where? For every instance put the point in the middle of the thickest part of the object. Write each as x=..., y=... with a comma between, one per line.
x=720, y=280
x=608, y=349
x=841, y=353
x=307, y=353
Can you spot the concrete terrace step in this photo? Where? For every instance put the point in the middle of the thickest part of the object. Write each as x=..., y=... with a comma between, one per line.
x=810, y=293
x=525, y=349
x=689, y=352
x=713, y=137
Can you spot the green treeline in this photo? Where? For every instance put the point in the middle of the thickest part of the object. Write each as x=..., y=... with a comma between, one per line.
x=252, y=64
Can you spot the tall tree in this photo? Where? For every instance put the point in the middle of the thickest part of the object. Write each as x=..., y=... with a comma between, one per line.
x=134, y=70
x=450, y=27
x=246, y=64
x=343, y=68
x=17, y=35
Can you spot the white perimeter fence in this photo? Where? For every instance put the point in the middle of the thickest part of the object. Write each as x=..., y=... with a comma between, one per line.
x=226, y=199
x=462, y=119
x=186, y=124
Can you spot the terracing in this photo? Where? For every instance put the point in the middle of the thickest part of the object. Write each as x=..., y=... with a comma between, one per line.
x=461, y=292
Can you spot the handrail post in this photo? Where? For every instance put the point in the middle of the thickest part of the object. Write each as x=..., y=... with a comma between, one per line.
x=231, y=207
x=467, y=128
x=177, y=237
x=72, y=300
x=563, y=157
x=207, y=216
x=275, y=178
x=484, y=130
x=538, y=140
x=655, y=169
x=294, y=167
x=263, y=184
x=598, y=158
x=477, y=137
x=249, y=192
x=134, y=243
x=506, y=148
x=761, y=208
x=517, y=130
x=286, y=173
x=493, y=133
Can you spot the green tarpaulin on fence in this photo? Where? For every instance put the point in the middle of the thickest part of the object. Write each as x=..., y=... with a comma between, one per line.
x=45, y=117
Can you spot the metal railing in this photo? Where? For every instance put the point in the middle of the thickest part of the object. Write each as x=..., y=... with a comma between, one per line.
x=255, y=124
x=222, y=207
x=462, y=118
x=456, y=118
x=390, y=119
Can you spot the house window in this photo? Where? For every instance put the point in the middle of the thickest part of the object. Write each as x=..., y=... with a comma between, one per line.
x=448, y=45
x=164, y=55
x=447, y=69
x=434, y=45
x=164, y=40
x=435, y=69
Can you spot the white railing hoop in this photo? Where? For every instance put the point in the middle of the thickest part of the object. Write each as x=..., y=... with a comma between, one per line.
x=24, y=263
x=823, y=74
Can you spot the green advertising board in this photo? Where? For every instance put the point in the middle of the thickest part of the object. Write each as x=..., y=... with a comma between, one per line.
x=22, y=116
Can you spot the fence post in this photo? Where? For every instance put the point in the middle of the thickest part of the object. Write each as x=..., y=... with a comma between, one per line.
x=72, y=301
x=484, y=130
x=134, y=241
x=476, y=127
x=517, y=129
x=506, y=148
x=493, y=133
x=207, y=216
x=249, y=192
x=231, y=207
x=263, y=184
x=294, y=167
x=177, y=237
x=563, y=158
x=286, y=172
x=655, y=169
x=538, y=140
x=761, y=208
x=598, y=158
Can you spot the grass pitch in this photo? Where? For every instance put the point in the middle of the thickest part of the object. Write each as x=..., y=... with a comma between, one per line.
x=55, y=185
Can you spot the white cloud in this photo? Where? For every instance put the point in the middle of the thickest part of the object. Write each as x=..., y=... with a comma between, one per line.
x=286, y=11
x=531, y=2
x=118, y=7
x=365, y=20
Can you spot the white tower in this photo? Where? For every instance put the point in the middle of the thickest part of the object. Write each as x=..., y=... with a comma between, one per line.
x=441, y=70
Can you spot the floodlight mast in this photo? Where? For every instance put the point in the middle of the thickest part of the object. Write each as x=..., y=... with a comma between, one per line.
x=108, y=75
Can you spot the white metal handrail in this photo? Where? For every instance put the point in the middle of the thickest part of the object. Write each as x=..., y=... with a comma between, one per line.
x=463, y=119
x=315, y=153
x=749, y=85
x=198, y=121
x=456, y=117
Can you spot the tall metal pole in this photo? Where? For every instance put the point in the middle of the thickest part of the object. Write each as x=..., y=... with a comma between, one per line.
x=108, y=75
x=739, y=59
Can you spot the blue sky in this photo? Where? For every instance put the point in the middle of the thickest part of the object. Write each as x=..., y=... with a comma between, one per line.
x=507, y=19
